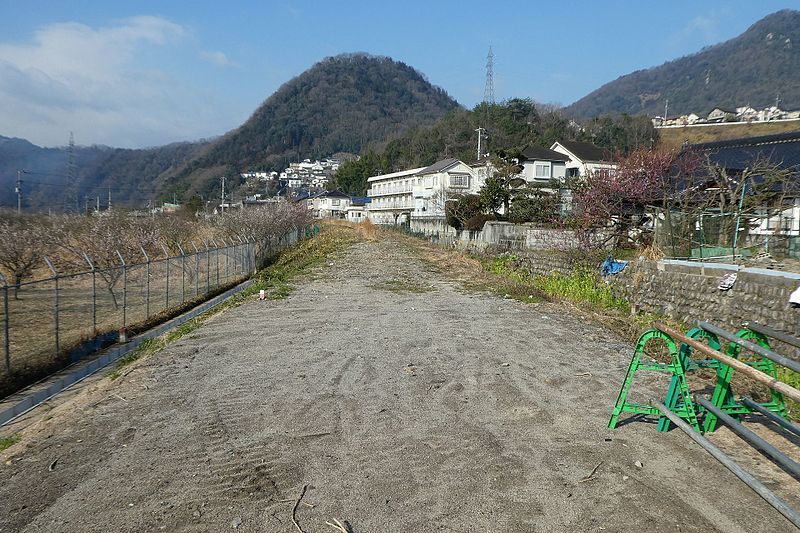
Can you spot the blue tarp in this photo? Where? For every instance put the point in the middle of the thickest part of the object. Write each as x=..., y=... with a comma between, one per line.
x=611, y=267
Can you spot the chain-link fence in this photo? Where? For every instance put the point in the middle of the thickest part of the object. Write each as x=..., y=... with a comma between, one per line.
x=710, y=235
x=47, y=322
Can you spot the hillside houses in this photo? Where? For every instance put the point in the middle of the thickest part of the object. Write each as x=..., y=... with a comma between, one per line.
x=719, y=115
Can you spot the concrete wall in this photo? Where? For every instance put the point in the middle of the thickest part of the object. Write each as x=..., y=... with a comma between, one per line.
x=496, y=234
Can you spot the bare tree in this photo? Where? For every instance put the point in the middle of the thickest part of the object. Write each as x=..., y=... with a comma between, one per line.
x=21, y=247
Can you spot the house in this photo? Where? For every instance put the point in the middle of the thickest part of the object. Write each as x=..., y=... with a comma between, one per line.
x=540, y=165
x=441, y=181
x=357, y=212
x=331, y=204
x=781, y=150
x=390, y=196
x=746, y=114
x=584, y=159
x=719, y=114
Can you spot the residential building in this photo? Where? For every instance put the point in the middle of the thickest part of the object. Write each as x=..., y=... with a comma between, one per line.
x=331, y=204
x=540, y=165
x=441, y=181
x=584, y=159
x=391, y=196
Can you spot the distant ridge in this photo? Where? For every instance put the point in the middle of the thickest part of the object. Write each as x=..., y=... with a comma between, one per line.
x=752, y=69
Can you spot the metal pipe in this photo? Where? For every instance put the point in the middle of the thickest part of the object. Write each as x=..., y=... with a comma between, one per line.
x=737, y=365
x=786, y=424
x=781, y=506
x=769, y=332
x=749, y=345
x=752, y=438
x=183, y=273
x=196, y=270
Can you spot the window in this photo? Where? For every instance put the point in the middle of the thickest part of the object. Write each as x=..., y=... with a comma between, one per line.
x=541, y=170
x=459, y=180
x=335, y=201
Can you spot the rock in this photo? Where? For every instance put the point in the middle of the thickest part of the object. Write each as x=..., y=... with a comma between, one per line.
x=638, y=464
x=625, y=478
x=236, y=522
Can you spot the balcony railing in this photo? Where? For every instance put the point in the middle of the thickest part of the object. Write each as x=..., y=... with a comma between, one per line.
x=373, y=192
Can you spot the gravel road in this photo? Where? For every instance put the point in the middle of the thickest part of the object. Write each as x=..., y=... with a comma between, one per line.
x=400, y=400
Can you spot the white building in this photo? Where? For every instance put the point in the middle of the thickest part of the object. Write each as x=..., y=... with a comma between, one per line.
x=540, y=165
x=390, y=194
x=331, y=204
x=584, y=159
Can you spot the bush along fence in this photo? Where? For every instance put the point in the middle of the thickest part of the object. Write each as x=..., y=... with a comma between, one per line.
x=53, y=321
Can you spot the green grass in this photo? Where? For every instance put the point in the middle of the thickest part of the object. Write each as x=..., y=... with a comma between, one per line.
x=276, y=280
x=581, y=286
x=6, y=442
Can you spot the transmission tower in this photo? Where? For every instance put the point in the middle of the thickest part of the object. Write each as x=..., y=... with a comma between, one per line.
x=72, y=178
x=488, y=92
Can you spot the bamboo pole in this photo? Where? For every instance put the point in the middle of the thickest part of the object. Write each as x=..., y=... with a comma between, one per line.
x=737, y=365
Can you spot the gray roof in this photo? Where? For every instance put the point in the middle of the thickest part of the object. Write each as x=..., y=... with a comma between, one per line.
x=540, y=153
x=334, y=194
x=439, y=166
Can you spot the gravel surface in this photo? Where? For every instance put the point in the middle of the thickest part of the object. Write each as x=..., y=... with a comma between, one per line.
x=398, y=399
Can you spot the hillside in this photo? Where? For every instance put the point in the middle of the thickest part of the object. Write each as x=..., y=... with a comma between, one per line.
x=342, y=103
x=751, y=69
x=130, y=174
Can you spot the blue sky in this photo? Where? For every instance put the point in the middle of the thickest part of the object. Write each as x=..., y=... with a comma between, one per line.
x=145, y=73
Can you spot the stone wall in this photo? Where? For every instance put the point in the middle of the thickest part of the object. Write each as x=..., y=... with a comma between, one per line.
x=688, y=291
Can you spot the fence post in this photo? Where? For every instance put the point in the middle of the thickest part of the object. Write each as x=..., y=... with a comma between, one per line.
x=55, y=303
x=6, y=343
x=237, y=253
x=166, y=253
x=216, y=258
x=196, y=270
x=208, y=267
x=146, y=283
x=183, y=273
x=124, y=290
x=227, y=251
x=94, y=292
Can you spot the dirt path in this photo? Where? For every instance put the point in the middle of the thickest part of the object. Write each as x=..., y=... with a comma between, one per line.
x=402, y=401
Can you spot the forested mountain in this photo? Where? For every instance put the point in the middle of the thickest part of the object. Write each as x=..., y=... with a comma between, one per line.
x=509, y=127
x=751, y=69
x=129, y=175
x=342, y=103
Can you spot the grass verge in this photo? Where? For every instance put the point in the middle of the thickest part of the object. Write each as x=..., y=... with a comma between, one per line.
x=6, y=442
x=275, y=280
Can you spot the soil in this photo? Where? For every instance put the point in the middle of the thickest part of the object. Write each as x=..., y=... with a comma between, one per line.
x=394, y=399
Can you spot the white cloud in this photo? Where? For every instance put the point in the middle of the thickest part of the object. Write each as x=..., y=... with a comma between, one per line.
x=218, y=59
x=73, y=77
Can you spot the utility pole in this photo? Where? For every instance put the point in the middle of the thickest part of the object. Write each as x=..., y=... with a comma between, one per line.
x=666, y=107
x=480, y=131
x=222, y=207
x=19, y=191
x=109, y=199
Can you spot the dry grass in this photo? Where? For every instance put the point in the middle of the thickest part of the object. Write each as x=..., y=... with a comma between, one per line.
x=675, y=137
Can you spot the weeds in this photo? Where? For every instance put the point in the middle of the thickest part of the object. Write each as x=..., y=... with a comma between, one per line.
x=6, y=442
